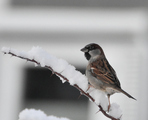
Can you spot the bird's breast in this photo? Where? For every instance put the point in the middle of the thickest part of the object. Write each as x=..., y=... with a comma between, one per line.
x=94, y=81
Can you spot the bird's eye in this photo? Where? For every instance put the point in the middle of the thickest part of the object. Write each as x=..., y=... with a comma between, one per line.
x=90, y=47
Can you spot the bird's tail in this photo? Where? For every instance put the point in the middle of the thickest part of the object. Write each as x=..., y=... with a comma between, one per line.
x=127, y=94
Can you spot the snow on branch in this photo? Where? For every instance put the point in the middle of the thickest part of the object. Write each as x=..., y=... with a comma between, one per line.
x=68, y=73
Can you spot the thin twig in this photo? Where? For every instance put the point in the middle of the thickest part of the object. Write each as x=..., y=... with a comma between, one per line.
x=75, y=85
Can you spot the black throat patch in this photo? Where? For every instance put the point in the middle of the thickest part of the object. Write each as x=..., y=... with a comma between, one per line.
x=87, y=55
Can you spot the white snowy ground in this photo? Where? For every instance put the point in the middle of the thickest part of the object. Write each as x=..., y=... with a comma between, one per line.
x=64, y=68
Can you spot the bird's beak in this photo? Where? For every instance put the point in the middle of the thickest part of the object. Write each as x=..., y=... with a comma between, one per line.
x=84, y=50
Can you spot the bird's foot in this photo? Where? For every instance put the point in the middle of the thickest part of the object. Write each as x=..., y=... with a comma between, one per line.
x=108, y=108
x=109, y=102
x=89, y=86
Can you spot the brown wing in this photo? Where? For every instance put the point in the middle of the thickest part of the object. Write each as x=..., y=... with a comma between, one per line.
x=102, y=70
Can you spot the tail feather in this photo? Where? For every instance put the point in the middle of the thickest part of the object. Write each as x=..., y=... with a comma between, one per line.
x=127, y=94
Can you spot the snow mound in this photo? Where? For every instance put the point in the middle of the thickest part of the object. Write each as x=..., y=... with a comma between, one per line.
x=32, y=114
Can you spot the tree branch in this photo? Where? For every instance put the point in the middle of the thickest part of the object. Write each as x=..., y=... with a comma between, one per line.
x=75, y=85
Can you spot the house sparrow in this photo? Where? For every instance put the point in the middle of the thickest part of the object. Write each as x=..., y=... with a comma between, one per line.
x=100, y=73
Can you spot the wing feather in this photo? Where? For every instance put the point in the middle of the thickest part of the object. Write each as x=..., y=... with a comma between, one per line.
x=102, y=70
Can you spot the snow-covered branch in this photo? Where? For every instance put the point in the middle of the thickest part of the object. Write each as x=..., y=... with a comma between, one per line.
x=68, y=73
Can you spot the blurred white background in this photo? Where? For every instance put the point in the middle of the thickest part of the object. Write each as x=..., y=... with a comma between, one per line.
x=62, y=28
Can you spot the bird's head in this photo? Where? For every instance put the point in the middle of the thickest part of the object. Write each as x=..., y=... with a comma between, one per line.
x=92, y=51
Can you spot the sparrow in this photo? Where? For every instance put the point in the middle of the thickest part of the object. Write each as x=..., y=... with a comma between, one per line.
x=100, y=73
